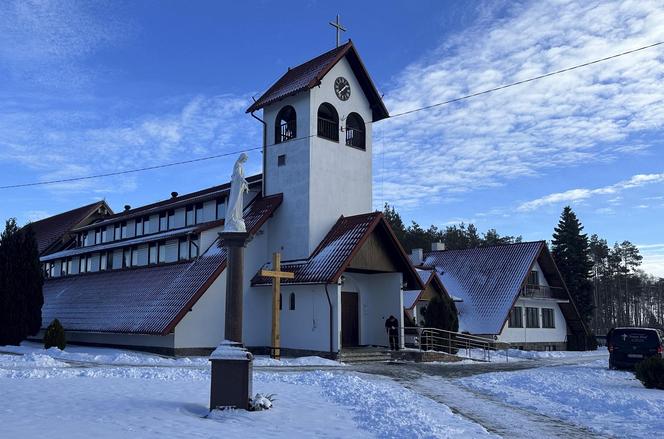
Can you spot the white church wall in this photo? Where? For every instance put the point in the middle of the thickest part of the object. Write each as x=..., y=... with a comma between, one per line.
x=289, y=226
x=536, y=335
x=379, y=297
x=257, y=305
x=160, y=341
x=203, y=326
x=340, y=175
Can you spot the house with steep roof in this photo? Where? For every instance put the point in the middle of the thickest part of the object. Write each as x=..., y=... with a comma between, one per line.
x=153, y=277
x=416, y=301
x=511, y=293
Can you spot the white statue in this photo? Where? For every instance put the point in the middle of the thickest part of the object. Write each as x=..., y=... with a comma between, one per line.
x=234, y=221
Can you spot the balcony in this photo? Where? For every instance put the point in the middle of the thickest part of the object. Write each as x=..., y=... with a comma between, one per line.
x=355, y=138
x=328, y=129
x=540, y=291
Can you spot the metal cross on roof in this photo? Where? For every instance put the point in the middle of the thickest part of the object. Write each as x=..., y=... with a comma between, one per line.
x=338, y=27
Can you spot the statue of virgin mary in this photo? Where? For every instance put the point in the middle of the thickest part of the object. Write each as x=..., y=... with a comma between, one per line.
x=234, y=222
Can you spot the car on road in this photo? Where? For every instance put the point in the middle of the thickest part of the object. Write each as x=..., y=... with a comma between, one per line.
x=628, y=346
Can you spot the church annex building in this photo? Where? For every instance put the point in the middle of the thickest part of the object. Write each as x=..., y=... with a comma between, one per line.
x=154, y=278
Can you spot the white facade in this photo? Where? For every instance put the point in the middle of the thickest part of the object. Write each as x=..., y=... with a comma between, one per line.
x=321, y=179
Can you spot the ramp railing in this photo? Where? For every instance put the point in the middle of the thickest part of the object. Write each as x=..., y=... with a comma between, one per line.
x=453, y=343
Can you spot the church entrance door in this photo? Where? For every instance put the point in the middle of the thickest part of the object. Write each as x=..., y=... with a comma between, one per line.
x=350, y=314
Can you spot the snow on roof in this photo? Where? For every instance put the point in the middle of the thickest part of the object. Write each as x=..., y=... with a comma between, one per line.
x=410, y=297
x=487, y=280
x=147, y=300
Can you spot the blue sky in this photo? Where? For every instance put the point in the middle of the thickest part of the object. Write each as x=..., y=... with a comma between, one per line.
x=94, y=87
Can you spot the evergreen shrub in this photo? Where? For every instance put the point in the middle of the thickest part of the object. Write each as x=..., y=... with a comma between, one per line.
x=651, y=373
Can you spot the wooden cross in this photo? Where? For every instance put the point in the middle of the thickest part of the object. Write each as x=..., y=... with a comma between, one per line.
x=339, y=27
x=276, y=275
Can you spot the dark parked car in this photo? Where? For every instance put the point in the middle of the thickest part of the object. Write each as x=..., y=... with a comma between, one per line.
x=628, y=346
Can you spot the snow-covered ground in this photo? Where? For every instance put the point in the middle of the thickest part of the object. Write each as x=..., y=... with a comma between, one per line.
x=514, y=355
x=118, y=357
x=42, y=394
x=606, y=401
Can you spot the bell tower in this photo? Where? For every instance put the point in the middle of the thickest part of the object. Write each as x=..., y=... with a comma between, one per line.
x=318, y=122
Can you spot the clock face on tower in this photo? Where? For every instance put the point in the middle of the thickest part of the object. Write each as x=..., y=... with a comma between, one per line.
x=342, y=88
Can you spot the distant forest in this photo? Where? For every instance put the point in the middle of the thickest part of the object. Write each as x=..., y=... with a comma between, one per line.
x=605, y=281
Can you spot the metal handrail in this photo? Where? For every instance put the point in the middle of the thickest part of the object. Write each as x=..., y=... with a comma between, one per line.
x=450, y=342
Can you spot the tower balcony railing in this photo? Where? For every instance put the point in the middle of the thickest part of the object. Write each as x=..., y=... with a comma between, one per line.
x=286, y=132
x=355, y=138
x=328, y=129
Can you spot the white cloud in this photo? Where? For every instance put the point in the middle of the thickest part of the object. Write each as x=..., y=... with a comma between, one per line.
x=566, y=120
x=582, y=194
x=653, y=258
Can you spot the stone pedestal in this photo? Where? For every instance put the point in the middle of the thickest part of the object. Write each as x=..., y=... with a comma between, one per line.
x=231, y=377
x=234, y=243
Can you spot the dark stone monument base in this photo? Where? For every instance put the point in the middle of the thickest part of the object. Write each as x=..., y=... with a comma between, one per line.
x=232, y=372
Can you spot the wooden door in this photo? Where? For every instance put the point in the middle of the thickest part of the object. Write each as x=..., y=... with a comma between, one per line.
x=350, y=324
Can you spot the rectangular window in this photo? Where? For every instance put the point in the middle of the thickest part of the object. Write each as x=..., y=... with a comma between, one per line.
x=117, y=233
x=190, y=216
x=183, y=250
x=103, y=262
x=152, y=257
x=97, y=236
x=516, y=317
x=146, y=225
x=123, y=229
x=81, y=264
x=134, y=257
x=63, y=267
x=162, y=253
x=126, y=258
x=88, y=263
x=533, y=278
x=199, y=213
x=221, y=209
x=281, y=160
x=532, y=318
x=139, y=227
x=163, y=222
x=171, y=219
x=548, y=320
x=193, y=248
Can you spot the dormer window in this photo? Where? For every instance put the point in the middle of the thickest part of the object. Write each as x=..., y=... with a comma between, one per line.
x=355, y=134
x=328, y=122
x=285, y=127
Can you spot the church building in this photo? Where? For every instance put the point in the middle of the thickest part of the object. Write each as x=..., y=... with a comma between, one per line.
x=153, y=277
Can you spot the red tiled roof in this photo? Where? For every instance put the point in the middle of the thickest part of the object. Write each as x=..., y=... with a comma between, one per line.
x=308, y=75
x=333, y=255
x=51, y=230
x=150, y=300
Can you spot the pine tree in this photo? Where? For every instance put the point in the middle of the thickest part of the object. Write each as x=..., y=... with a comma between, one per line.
x=21, y=282
x=571, y=251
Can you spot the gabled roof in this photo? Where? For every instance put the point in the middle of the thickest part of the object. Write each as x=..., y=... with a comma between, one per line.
x=49, y=231
x=149, y=300
x=489, y=280
x=309, y=74
x=336, y=251
x=428, y=276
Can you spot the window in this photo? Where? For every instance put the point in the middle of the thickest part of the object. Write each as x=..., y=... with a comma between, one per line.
x=162, y=253
x=221, y=208
x=279, y=301
x=291, y=305
x=532, y=318
x=134, y=257
x=88, y=263
x=152, y=256
x=81, y=265
x=126, y=258
x=104, y=234
x=533, y=278
x=70, y=266
x=199, y=213
x=328, y=122
x=355, y=134
x=63, y=267
x=123, y=229
x=516, y=317
x=171, y=219
x=97, y=236
x=139, y=227
x=193, y=247
x=146, y=225
x=184, y=249
x=548, y=320
x=163, y=222
x=103, y=262
x=189, y=216
x=285, y=126
x=281, y=160
x=116, y=232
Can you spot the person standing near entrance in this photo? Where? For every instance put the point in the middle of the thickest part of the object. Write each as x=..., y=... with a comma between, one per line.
x=392, y=328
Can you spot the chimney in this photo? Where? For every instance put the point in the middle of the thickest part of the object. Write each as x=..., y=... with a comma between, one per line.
x=437, y=246
x=417, y=256
x=174, y=194
x=127, y=207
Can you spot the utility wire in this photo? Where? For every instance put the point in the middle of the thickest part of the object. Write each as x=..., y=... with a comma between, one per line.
x=404, y=113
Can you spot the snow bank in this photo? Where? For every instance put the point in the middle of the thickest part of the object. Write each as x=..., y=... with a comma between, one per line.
x=609, y=402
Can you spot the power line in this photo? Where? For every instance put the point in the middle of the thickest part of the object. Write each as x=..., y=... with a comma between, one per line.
x=427, y=107
x=535, y=78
